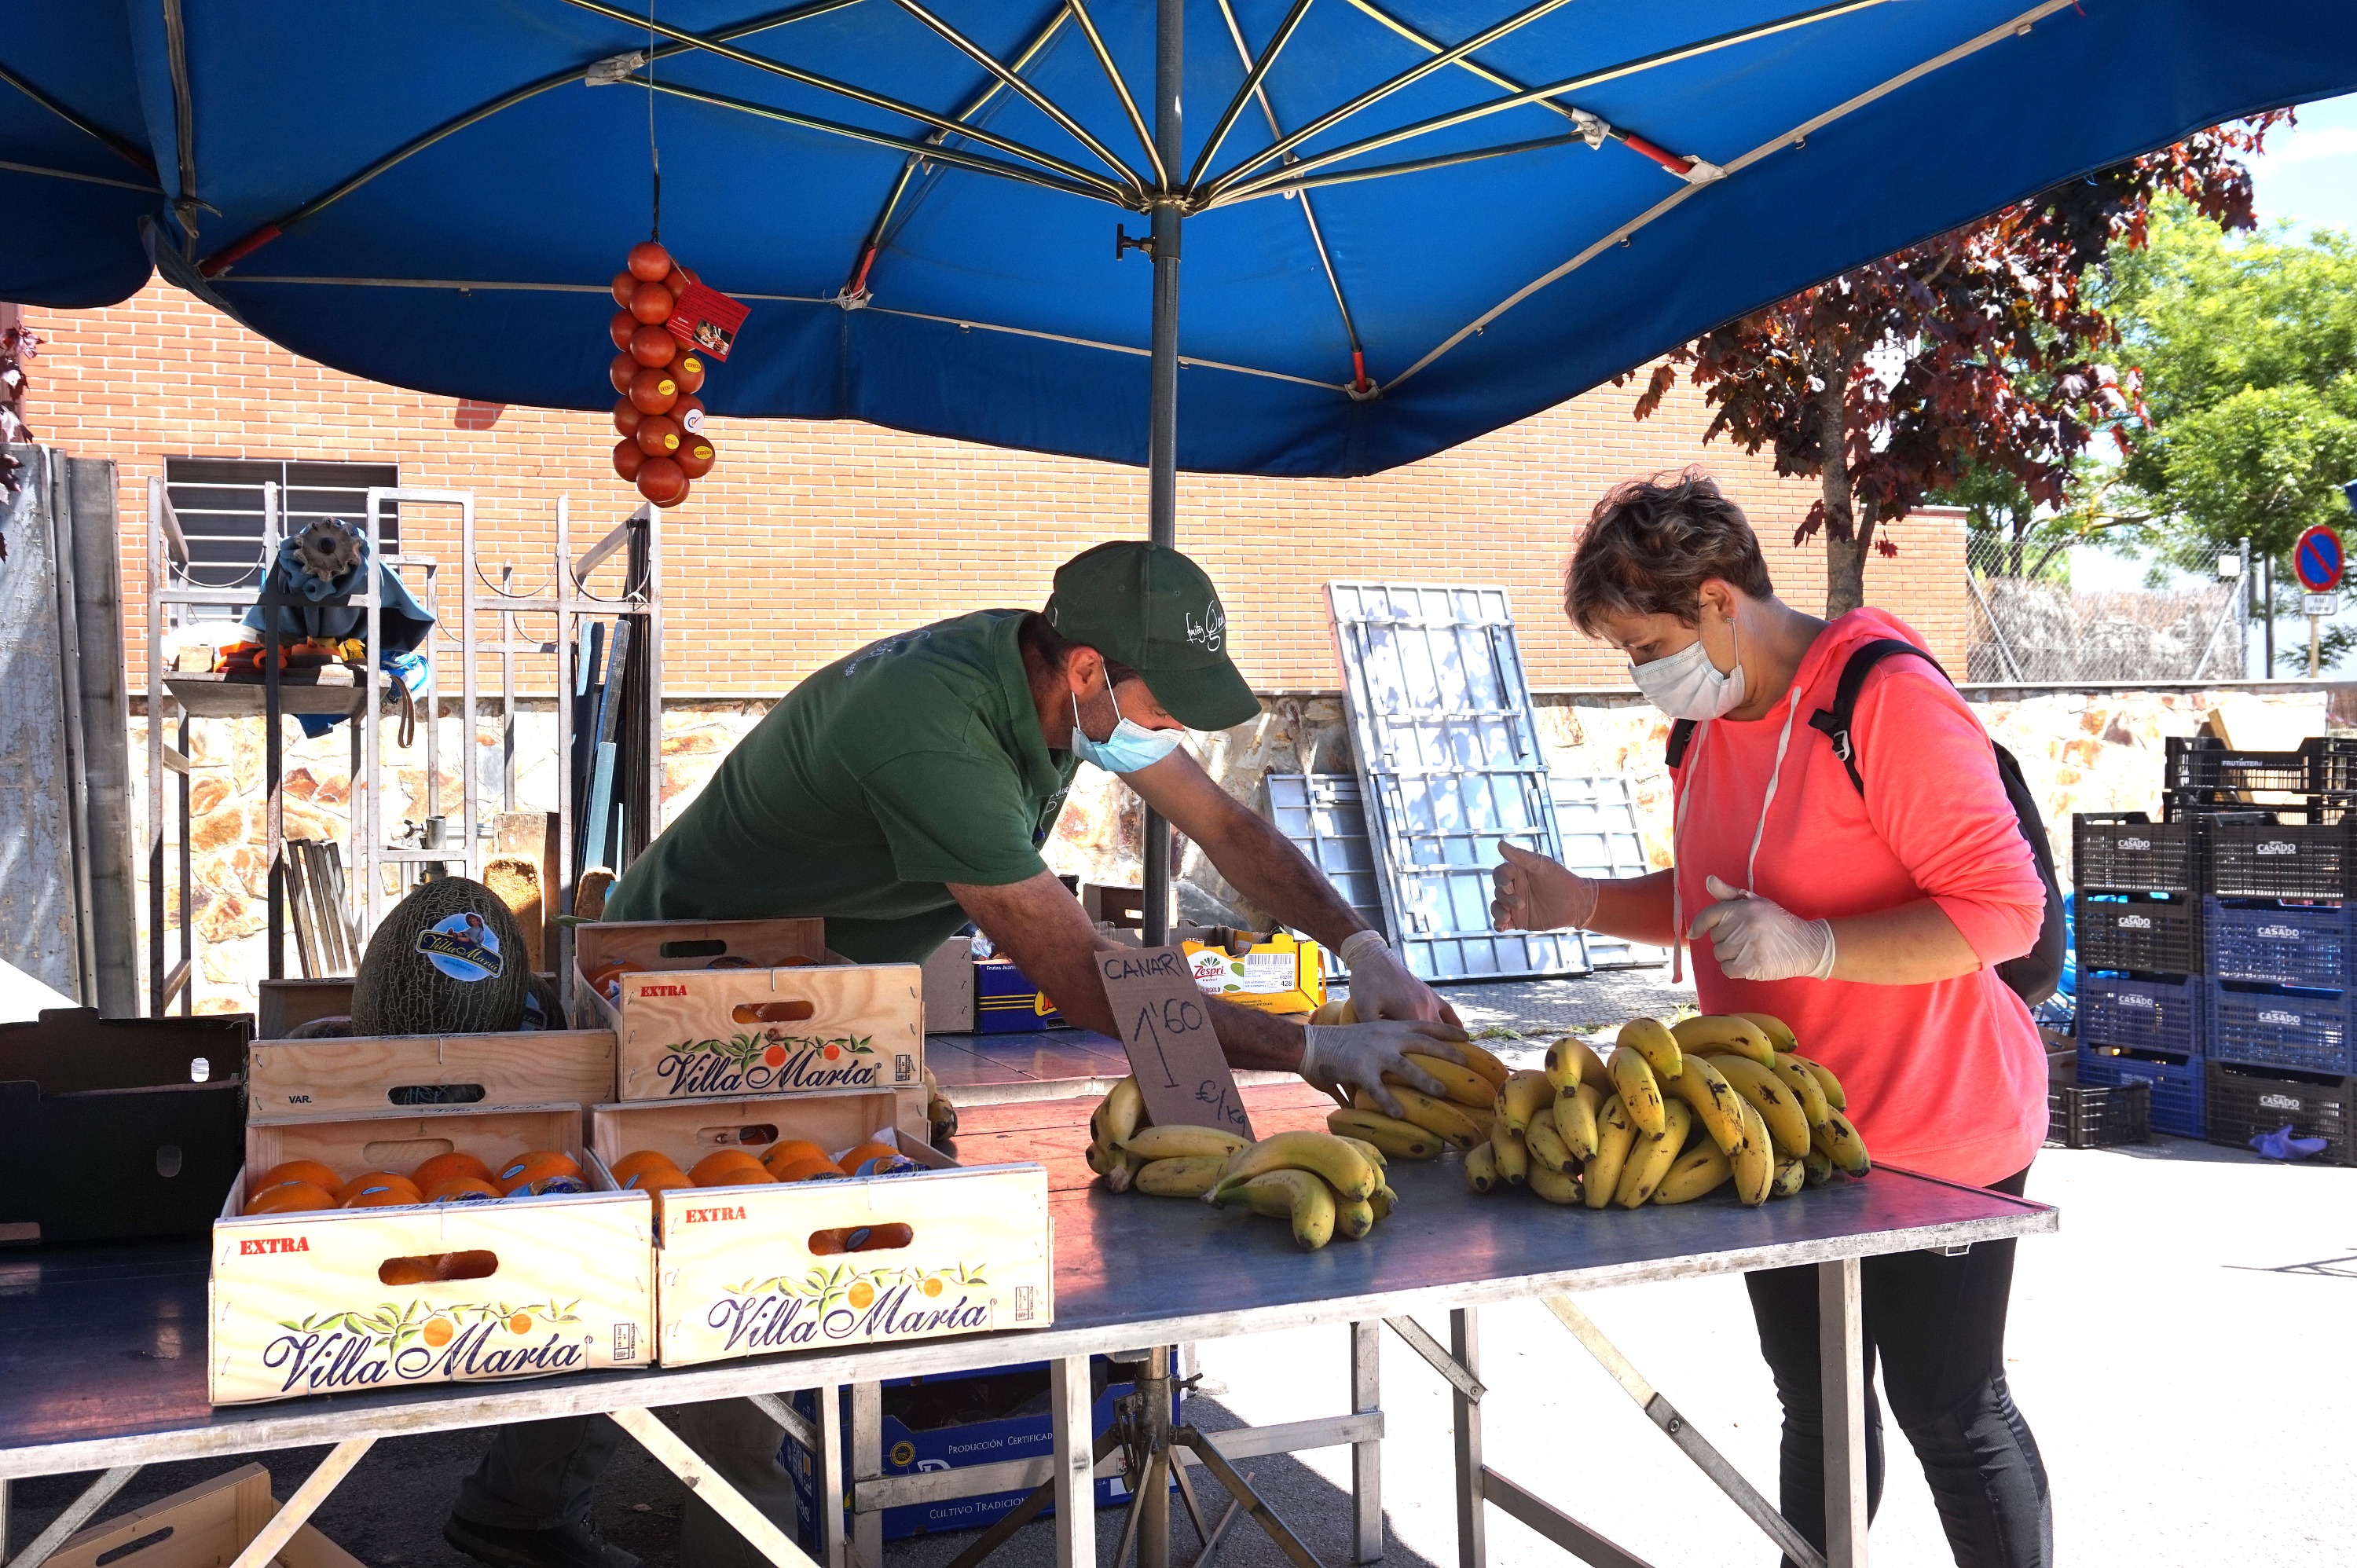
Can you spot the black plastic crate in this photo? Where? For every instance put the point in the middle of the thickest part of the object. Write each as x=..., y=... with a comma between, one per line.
x=2322, y=763
x=2164, y=1016
x=2098, y=1116
x=2309, y=1031
x=2310, y=857
x=2177, y=1089
x=2245, y=1101
x=2139, y=932
x=2269, y=943
x=2127, y=851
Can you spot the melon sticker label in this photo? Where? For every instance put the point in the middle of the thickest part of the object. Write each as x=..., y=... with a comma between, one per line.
x=462, y=946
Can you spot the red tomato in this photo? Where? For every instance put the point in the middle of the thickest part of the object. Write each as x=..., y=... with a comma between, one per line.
x=628, y=459
x=620, y=372
x=690, y=370
x=679, y=278
x=661, y=482
x=695, y=457
x=649, y=262
x=658, y=436
x=622, y=285
x=652, y=345
x=652, y=388
x=620, y=328
x=626, y=416
x=651, y=303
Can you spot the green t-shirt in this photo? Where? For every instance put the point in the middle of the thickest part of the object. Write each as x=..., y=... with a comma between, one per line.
x=916, y=761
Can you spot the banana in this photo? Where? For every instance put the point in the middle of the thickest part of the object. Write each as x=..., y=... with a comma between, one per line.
x=1483, y=1117
x=1351, y=1173
x=1383, y=1201
x=1122, y=1176
x=1701, y=1169
x=1571, y=1060
x=1353, y=1221
x=1614, y=1134
x=1180, y=1142
x=1478, y=1059
x=1779, y=1032
x=1640, y=1092
x=1778, y=1106
x=1301, y=1197
x=1715, y=1104
x=1465, y=1086
x=1186, y=1176
x=1525, y=1094
x=1839, y=1142
x=1575, y=1119
x=1791, y=1176
x=1652, y=1041
x=1123, y=1112
x=1725, y=1032
x=1376, y=1156
x=1819, y=1167
x=1512, y=1156
x=1437, y=1116
x=1754, y=1160
x=1650, y=1157
x=1805, y=1087
x=1547, y=1145
x=1825, y=1081
x=1404, y=1140
x=1481, y=1168
x=1555, y=1187
x=1334, y=1010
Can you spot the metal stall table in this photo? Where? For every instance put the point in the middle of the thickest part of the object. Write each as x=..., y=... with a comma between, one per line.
x=102, y=1350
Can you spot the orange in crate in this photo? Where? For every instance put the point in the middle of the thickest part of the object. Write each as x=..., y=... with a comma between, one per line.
x=543, y=1171
x=311, y=1171
x=461, y=1189
x=384, y=1198
x=431, y=1174
x=873, y=1159
x=637, y=1160
x=786, y=1151
x=812, y=1169
x=729, y=1167
x=379, y=1180
x=290, y=1197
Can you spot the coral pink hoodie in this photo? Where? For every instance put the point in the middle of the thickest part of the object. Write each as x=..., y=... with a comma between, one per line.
x=1947, y=1079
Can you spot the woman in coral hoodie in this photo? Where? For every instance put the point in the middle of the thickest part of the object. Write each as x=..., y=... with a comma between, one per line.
x=1872, y=922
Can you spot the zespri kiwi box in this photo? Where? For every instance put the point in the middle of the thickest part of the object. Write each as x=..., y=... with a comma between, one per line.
x=333, y=1301
x=734, y=1007
x=937, y=1250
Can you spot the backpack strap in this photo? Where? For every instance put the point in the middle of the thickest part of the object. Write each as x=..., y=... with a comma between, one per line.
x=1835, y=721
x=1682, y=733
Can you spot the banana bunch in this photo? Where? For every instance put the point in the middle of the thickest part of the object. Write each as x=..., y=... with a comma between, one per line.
x=1167, y=1162
x=1321, y=1182
x=1458, y=1119
x=1595, y=1131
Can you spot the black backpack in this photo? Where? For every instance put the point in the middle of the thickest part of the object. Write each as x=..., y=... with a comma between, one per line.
x=2035, y=974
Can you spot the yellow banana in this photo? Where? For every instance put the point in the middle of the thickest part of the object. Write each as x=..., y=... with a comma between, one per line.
x=1819, y=1167
x=1120, y=1114
x=1839, y=1142
x=1186, y=1176
x=1779, y=1032
x=1512, y=1156
x=1650, y=1157
x=1437, y=1116
x=1547, y=1145
x=1791, y=1174
x=1826, y=1081
x=1182, y=1142
x=1376, y=1156
x=1404, y=1140
x=1701, y=1169
x=1353, y=1221
x=1383, y=1201
x=1480, y=1060
x=1575, y=1119
x=1614, y=1135
x=1299, y=1195
x=1123, y=1174
x=1713, y=1103
x=1351, y=1173
x=1805, y=1089
x=1465, y=1086
x=1555, y=1187
x=1481, y=1167
x=1102, y=1157
x=1778, y=1106
x=1651, y=1039
x=1571, y=1060
x=1334, y=1010
x=1724, y=1031
x=1483, y=1117
x=1525, y=1094
x=1754, y=1159
x=1640, y=1092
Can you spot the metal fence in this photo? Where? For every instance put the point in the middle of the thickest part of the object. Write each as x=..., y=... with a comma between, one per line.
x=2026, y=623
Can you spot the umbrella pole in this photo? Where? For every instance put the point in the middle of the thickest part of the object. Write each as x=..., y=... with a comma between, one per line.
x=1162, y=438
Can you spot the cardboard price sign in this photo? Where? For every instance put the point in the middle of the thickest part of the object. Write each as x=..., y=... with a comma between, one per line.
x=1165, y=1028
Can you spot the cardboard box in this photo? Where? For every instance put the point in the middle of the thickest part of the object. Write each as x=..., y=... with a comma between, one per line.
x=1007, y=1002
x=299, y=1302
x=745, y=1270
x=949, y=988
x=780, y=1015
x=387, y=1072
x=204, y=1527
x=1274, y=972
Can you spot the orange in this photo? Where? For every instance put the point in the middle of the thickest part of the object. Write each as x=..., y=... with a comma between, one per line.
x=934, y=1285
x=786, y=1151
x=433, y=1173
x=311, y=1171
x=383, y=1196
x=861, y=1296
x=636, y=1160
x=872, y=1159
x=657, y=1181
x=461, y=1189
x=439, y=1331
x=728, y=1167
x=374, y=1180
x=520, y=1324
x=807, y=1169
x=538, y=1169
x=290, y=1197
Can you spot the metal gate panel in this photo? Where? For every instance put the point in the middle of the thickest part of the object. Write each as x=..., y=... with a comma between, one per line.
x=1449, y=760
x=1326, y=818
x=1596, y=816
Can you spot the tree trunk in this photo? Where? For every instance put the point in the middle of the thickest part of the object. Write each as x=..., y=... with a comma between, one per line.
x=1845, y=550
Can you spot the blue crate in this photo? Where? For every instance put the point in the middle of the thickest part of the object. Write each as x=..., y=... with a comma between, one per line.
x=2179, y=1092
x=2164, y=1016
x=2310, y=945
x=2308, y=1031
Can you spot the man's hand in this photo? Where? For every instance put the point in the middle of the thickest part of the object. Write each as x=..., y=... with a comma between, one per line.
x=1531, y=892
x=1381, y=986
x=1338, y=1057
x=1754, y=939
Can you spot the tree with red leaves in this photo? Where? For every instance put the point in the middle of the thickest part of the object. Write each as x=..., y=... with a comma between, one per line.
x=18, y=345
x=1976, y=351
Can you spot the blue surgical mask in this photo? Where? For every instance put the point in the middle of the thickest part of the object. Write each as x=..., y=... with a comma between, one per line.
x=1130, y=747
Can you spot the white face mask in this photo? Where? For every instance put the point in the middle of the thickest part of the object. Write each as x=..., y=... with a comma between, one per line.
x=1687, y=685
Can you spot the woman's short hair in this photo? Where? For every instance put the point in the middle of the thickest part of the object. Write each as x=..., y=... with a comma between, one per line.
x=1650, y=544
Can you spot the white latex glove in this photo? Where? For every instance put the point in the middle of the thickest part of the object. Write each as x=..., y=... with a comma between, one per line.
x=1338, y=1057
x=1754, y=939
x=1381, y=986
x=1531, y=892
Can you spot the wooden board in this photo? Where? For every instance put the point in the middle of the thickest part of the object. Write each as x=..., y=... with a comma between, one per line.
x=385, y=1071
x=284, y=1005
x=205, y=1526
x=822, y=1029
x=533, y=834
x=693, y=944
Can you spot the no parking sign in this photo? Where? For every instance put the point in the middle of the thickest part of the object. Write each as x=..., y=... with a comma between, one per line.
x=2317, y=560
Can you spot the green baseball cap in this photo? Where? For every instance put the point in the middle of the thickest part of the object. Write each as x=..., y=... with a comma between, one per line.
x=1149, y=608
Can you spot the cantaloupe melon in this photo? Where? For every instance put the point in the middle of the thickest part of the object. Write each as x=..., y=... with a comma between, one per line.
x=447, y=960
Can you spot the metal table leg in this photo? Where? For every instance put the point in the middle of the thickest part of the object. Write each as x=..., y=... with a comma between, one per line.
x=1153, y=1494
x=1366, y=1458
x=296, y=1512
x=707, y=1483
x=1841, y=1351
x=1076, y=1521
x=866, y=1450
x=1473, y=1533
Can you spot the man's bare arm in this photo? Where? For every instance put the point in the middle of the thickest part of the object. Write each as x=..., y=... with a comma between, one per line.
x=1262, y=863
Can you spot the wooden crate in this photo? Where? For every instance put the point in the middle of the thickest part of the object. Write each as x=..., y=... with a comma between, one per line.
x=204, y=1527
x=687, y=1030
x=737, y=1269
x=314, y=1078
x=299, y=1305
x=282, y=1005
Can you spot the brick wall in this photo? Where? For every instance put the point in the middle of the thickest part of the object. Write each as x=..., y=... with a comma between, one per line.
x=811, y=538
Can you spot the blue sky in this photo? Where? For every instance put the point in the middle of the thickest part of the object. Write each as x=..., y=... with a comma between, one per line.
x=2309, y=175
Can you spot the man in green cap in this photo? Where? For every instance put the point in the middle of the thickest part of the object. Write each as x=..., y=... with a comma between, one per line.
x=905, y=790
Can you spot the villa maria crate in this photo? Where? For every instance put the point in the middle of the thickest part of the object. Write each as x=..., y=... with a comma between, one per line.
x=2305, y=1030
x=2139, y=932
x=2245, y=1101
x=2177, y=1086
x=2273, y=943
x=2127, y=851
x=2162, y=1016
x=385, y=1072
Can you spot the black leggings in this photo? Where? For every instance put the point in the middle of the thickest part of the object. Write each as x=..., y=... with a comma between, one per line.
x=1939, y=1326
